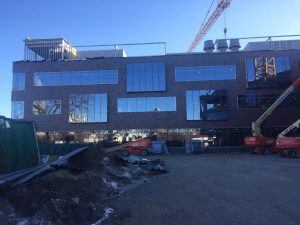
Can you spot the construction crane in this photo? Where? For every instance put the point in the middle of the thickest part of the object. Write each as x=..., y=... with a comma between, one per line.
x=223, y=4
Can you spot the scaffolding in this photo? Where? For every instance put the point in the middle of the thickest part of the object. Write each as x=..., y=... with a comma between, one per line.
x=48, y=49
x=265, y=68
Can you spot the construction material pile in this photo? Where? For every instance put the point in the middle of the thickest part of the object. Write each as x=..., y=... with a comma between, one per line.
x=77, y=192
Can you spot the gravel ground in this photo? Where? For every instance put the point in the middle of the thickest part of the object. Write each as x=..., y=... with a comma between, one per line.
x=215, y=189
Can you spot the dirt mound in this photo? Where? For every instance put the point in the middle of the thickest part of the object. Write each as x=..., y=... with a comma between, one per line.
x=76, y=193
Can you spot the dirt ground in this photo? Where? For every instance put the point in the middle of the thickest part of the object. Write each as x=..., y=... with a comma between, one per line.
x=215, y=189
x=77, y=193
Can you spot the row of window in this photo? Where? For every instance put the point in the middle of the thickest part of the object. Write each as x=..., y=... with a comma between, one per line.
x=148, y=104
x=75, y=78
x=266, y=100
x=141, y=77
x=202, y=73
x=200, y=105
x=262, y=72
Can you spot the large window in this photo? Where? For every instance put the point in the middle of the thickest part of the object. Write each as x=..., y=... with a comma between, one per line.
x=268, y=72
x=18, y=81
x=17, y=109
x=206, y=105
x=266, y=100
x=144, y=77
x=148, y=104
x=202, y=73
x=46, y=107
x=88, y=108
x=75, y=78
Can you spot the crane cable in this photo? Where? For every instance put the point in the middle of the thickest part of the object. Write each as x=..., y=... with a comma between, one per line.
x=225, y=28
x=207, y=13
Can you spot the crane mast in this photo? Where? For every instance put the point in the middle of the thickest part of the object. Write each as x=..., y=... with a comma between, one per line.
x=210, y=22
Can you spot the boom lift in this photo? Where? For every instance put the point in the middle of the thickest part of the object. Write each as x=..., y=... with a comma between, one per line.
x=289, y=146
x=259, y=143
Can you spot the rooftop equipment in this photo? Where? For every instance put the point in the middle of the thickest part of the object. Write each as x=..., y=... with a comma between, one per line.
x=234, y=45
x=209, y=46
x=222, y=45
x=48, y=49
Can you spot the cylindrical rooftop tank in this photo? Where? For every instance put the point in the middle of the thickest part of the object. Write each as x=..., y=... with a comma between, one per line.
x=222, y=45
x=234, y=45
x=209, y=46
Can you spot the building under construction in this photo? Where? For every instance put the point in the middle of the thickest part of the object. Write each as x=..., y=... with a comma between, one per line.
x=96, y=95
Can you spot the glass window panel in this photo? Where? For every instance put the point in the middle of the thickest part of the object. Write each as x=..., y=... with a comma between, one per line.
x=132, y=106
x=103, y=117
x=265, y=100
x=87, y=108
x=122, y=105
x=129, y=77
x=162, y=77
x=76, y=78
x=18, y=81
x=150, y=104
x=146, y=77
x=136, y=78
x=46, y=107
x=142, y=76
x=161, y=104
x=17, y=109
x=149, y=79
x=155, y=76
x=97, y=117
x=141, y=104
x=203, y=73
x=207, y=105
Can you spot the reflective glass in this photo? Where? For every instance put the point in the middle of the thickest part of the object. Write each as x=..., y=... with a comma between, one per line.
x=268, y=72
x=143, y=77
x=88, y=108
x=46, y=107
x=266, y=100
x=202, y=73
x=17, y=109
x=18, y=81
x=75, y=78
x=206, y=105
x=148, y=104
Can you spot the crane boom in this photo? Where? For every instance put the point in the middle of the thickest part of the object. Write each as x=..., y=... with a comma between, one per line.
x=212, y=19
x=256, y=131
x=292, y=127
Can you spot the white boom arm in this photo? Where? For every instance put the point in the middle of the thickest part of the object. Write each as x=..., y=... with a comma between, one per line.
x=256, y=125
x=287, y=130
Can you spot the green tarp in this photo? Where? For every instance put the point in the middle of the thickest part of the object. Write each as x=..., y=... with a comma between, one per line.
x=18, y=146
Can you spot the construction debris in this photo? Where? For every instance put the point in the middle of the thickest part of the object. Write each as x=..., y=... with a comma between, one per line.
x=76, y=193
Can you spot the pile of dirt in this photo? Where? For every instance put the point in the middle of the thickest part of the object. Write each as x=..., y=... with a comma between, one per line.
x=77, y=193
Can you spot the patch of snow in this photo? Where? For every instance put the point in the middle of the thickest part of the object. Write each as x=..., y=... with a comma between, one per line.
x=23, y=222
x=107, y=212
x=112, y=184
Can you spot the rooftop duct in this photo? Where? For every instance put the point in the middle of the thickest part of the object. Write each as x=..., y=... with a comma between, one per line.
x=209, y=46
x=222, y=45
x=234, y=45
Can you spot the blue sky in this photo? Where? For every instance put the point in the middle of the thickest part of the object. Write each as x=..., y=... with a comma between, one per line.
x=116, y=21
